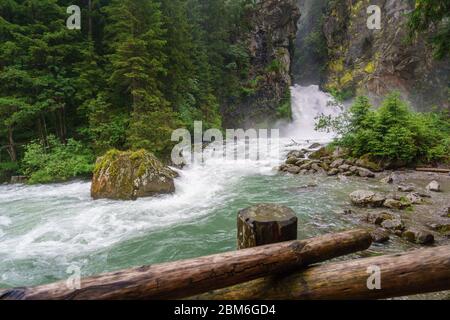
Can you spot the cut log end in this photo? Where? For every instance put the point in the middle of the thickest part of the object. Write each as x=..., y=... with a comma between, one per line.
x=266, y=224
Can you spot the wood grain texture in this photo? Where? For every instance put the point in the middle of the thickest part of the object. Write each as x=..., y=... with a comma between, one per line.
x=415, y=272
x=186, y=278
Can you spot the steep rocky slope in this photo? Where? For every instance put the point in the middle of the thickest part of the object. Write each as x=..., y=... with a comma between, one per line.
x=376, y=62
x=270, y=45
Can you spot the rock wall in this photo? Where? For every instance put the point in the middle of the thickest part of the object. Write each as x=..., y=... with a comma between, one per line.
x=270, y=43
x=311, y=47
x=375, y=62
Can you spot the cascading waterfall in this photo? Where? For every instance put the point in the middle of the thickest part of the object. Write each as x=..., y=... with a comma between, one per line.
x=307, y=104
x=44, y=229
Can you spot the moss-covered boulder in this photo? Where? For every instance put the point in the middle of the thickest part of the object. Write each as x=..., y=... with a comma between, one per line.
x=130, y=175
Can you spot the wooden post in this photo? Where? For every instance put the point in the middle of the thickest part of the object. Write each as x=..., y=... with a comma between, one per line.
x=420, y=271
x=266, y=224
x=186, y=278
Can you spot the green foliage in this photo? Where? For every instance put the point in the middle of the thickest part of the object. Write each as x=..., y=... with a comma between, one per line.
x=8, y=169
x=135, y=71
x=284, y=111
x=391, y=133
x=433, y=14
x=56, y=162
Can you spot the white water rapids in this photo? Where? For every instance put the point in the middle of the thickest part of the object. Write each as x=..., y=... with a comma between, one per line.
x=45, y=228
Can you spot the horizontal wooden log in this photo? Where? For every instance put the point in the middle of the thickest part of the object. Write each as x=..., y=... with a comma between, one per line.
x=435, y=170
x=421, y=271
x=194, y=276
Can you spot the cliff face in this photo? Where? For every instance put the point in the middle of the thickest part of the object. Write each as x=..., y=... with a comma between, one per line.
x=311, y=49
x=270, y=44
x=375, y=62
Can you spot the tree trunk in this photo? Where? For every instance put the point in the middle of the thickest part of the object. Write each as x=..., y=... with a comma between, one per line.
x=61, y=124
x=415, y=272
x=12, y=145
x=194, y=276
x=90, y=20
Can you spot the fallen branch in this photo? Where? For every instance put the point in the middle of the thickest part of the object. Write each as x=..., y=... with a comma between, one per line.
x=435, y=170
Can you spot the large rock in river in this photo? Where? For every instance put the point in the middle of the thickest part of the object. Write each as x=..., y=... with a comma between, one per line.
x=130, y=175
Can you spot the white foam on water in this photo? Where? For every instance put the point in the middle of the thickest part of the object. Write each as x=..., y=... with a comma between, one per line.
x=61, y=220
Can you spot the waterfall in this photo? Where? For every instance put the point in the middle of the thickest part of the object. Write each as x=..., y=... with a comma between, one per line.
x=307, y=104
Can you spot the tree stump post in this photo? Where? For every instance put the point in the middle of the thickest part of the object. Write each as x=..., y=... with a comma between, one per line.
x=266, y=224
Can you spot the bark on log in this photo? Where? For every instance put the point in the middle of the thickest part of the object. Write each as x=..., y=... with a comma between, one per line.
x=266, y=224
x=194, y=276
x=435, y=170
x=415, y=272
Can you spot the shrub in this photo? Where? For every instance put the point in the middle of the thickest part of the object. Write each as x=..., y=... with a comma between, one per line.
x=392, y=133
x=57, y=162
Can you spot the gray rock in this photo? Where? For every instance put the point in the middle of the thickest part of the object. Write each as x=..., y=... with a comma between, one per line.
x=365, y=173
x=292, y=160
x=378, y=218
x=306, y=166
x=293, y=170
x=409, y=188
x=434, y=186
x=301, y=162
x=380, y=236
x=333, y=172
x=389, y=179
x=364, y=198
x=395, y=204
x=414, y=198
x=337, y=163
x=418, y=236
x=296, y=154
x=344, y=167
x=393, y=225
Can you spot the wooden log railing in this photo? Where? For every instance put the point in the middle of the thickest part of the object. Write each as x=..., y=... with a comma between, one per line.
x=420, y=271
x=186, y=278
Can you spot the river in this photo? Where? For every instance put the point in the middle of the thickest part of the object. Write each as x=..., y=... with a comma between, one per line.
x=46, y=229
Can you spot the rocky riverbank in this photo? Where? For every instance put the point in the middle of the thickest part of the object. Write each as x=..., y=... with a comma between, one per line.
x=412, y=207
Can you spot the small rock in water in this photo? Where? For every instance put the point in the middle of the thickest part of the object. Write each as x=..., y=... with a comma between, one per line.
x=434, y=186
x=395, y=204
x=441, y=227
x=393, y=225
x=389, y=179
x=408, y=188
x=380, y=236
x=365, y=173
x=414, y=198
x=364, y=198
x=418, y=236
x=333, y=172
x=378, y=218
